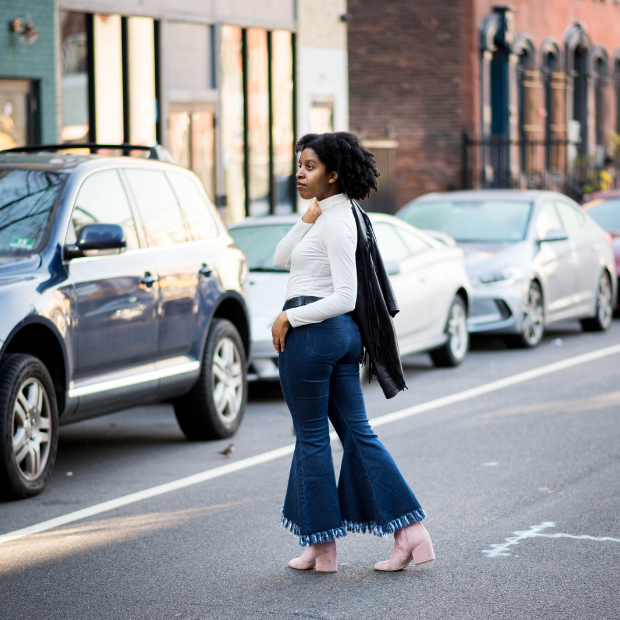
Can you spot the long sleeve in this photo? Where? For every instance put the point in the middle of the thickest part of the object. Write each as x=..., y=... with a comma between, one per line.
x=282, y=255
x=340, y=245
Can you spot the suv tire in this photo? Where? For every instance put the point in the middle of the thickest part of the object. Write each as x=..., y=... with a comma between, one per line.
x=214, y=407
x=28, y=426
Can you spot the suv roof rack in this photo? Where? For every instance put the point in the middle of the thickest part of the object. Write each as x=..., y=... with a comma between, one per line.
x=157, y=151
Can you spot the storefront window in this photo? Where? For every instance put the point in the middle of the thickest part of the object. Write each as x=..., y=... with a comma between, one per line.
x=192, y=143
x=141, y=67
x=74, y=67
x=108, y=78
x=258, y=121
x=232, y=122
x=282, y=128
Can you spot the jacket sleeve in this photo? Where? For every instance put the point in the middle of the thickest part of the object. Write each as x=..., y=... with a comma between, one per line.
x=340, y=242
x=284, y=249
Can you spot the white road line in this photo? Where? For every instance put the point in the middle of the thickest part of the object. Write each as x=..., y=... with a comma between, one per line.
x=534, y=532
x=272, y=455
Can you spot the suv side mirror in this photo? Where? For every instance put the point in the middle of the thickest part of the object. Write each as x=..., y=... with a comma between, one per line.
x=556, y=234
x=96, y=237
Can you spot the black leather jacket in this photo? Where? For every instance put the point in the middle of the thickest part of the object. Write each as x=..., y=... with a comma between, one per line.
x=375, y=308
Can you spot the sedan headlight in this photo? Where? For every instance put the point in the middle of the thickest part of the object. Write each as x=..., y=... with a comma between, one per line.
x=506, y=277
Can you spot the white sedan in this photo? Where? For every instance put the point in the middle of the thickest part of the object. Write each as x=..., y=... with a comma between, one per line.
x=428, y=276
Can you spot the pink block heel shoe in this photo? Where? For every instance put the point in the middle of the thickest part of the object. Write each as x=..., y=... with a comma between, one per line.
x=322, y=556
x=410, y=543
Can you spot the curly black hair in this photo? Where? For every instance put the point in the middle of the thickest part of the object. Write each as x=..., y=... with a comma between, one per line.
x=342, y=152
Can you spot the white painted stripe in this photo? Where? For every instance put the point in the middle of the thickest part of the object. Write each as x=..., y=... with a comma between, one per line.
x=272, y=455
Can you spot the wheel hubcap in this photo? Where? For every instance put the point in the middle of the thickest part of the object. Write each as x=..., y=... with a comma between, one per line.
x=227, y=375
x=31, y=429
x=457, y=330
x=604, y=301
x=532, y=316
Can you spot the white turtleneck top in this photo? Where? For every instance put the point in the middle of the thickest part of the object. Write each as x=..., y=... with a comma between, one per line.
x=321, y=257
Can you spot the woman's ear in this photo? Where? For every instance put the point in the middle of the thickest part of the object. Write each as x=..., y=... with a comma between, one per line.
x=333, y=177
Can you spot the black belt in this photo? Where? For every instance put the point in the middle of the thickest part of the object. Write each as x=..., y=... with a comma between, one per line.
x=295, y=302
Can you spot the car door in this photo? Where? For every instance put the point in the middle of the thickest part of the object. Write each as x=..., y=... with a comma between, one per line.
x=176, y=269
x=586, y=245
x=116, y=303
x=409, y=285
x=557, y=263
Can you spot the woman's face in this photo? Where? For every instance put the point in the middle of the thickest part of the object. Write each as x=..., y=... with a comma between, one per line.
x=313, y=180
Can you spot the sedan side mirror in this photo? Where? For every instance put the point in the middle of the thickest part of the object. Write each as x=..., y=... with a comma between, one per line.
x=392, y=267
x=97, y=237
x=556, y=234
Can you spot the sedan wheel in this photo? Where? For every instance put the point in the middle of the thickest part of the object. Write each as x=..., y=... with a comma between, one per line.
x=453, y=352
x=533, y=320
x=604, y=307
x=28, y=426
x=214, y=407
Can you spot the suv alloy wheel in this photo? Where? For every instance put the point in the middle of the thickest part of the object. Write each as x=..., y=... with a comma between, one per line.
x=28, y=426
x=214, y=407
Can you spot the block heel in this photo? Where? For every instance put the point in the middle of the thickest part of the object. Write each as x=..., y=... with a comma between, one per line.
x=423, y=553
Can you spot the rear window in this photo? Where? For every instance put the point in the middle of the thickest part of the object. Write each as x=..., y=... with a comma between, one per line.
x=258, y=243
x=27, y=201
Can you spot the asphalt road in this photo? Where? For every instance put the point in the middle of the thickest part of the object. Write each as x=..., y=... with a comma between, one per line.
x=533, y=464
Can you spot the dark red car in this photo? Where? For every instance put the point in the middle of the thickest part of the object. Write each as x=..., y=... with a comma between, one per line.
x=604, y=208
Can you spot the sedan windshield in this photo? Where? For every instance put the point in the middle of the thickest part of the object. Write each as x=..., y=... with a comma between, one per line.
x=472, y=220
x=27, y=200
x=606, y=214
x=258, y=243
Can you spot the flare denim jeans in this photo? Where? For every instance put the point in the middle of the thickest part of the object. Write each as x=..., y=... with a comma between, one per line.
x=319, y=374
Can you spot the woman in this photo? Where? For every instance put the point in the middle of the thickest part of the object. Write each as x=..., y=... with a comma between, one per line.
x=320, y=348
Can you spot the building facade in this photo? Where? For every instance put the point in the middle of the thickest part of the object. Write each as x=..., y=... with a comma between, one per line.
x=226, y=86
x=466, y=93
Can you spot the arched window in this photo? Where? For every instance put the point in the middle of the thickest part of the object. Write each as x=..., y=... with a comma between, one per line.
x=578, y=46
x=600, y=73
x=617, y=88
x=530, y=104
x=498, y=98
x=555, y=105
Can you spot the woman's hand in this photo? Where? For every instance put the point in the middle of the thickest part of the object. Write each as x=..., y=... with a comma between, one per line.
x=313, y=212
x=278, y=331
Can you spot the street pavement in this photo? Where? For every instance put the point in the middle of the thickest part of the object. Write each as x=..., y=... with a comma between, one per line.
x=521, y=485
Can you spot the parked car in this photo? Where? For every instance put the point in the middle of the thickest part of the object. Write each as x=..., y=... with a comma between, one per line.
x=533, y=258
x=428, y=276
x=119, y=286
x=604, y=209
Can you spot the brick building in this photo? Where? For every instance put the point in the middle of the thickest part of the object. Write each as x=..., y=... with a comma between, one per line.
x=535, y=87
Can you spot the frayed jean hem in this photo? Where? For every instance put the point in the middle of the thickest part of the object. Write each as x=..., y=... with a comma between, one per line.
x=371, y=527
x=312, y=539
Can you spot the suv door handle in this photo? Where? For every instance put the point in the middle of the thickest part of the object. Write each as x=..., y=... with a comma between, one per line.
x=205, y=271
x=148, y=280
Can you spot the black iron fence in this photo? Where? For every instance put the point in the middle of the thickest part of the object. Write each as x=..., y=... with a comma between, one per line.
x=501, y=163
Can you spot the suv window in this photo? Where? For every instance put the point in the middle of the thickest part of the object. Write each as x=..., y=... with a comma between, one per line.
x=573, y=219
x=27, y=199
x=102, y=200
x=159, y=208
x=197, y=210
x=548, y=219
